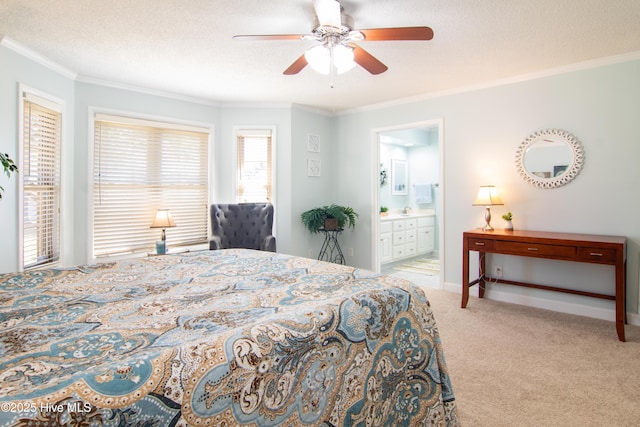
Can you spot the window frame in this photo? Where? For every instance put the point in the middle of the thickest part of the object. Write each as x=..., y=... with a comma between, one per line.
x=138, y=118
x=237, y=130
x=58, y=105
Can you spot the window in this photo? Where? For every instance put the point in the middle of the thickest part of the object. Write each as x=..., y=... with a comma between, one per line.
x=254, y=165
x=41, y=135
x=139, y=167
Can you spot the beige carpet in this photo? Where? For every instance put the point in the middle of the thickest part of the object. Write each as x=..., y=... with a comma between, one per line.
x=430, y=267
x=512, y=365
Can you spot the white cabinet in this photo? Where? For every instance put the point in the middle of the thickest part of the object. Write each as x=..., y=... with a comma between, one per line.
x=398, y=240
x=426, y=235
x=386, y=242
x=410, y=237
x=405, y=238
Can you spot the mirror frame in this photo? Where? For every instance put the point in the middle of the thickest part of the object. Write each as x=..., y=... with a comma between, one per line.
x=399, y=177
x=553, y=182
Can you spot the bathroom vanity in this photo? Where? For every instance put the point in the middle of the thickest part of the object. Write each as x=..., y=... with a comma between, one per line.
x=406, y=235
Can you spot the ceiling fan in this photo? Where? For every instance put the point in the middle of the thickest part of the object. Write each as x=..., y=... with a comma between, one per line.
x=336, y=51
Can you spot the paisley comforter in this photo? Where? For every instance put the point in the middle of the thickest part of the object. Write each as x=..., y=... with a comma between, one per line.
x=219, y=338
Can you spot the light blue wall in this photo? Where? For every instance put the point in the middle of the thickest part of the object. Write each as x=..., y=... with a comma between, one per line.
x=81, y=100
x=388, y=153
x=482, y=129
x=423, y=167
x=225, y=166
x=311, y=191
x=15, y=69
x=91, y=98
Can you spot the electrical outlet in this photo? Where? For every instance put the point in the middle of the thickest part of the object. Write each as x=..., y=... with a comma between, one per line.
x=498, y=271
x=350, y=251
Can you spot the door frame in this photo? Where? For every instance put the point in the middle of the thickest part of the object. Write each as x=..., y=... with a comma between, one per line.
x=375, y=189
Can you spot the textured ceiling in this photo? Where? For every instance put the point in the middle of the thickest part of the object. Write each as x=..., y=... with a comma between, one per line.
x=186, y=47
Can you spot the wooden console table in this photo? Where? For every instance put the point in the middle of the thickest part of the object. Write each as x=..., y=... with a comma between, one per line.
x=589, y=248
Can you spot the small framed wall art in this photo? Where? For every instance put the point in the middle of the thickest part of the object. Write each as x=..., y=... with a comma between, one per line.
x=313, y=167
x=313, y=143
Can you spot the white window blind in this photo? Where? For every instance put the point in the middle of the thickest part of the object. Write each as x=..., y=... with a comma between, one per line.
x=42, y=129
x=254, y=166
x=140, y=167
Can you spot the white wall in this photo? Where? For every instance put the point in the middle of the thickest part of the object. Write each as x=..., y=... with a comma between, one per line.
x=482, y=130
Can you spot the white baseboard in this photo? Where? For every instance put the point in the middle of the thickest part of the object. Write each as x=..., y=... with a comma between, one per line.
x=547, y=304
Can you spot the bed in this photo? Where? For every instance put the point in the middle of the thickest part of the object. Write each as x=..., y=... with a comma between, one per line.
x=219, y=338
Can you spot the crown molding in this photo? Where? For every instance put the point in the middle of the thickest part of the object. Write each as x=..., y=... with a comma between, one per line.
x=147, y=91
x=42, y=60
x=36, y=57
x=314, y=110
x=256, y=104
x=585, y=65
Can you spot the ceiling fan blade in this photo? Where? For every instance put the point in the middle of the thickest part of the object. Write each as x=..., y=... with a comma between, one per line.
x=368, y=61
x=269, y=37
x=328, y=12
x=297, y=66
x=402, y=33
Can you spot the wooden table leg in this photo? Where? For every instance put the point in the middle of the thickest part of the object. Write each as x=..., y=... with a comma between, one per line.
x=621, y=311
x=465, y=273
x=481, y=273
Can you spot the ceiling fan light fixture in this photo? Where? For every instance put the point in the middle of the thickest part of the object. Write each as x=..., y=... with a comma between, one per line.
x=337, y=49
x=319, y=58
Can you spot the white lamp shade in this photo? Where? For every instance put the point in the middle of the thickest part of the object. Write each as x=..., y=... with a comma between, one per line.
x=163, y=219
x=319, y=58
x=487, y=196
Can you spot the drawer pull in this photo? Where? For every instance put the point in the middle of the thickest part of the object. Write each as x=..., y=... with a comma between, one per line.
x=532, y=249
x=479, y=244
x=595, y=254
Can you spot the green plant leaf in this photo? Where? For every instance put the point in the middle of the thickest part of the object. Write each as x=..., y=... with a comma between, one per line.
x=313, y=219
x=9, y=166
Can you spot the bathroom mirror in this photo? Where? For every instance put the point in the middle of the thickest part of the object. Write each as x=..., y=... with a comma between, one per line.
x=399, y=177
x=549, y=158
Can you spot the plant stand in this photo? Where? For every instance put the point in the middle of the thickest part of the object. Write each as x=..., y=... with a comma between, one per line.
x=330, y=250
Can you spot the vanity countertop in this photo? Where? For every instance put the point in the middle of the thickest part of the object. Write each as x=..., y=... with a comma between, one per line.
x=413, y=214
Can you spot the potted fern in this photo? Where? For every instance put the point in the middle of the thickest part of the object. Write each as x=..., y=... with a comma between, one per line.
x=333, y=217
x=9, y=166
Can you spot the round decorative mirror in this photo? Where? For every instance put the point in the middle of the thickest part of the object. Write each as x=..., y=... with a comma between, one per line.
x=549, y=158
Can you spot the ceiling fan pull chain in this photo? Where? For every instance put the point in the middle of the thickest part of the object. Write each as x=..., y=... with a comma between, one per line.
x=332, y=68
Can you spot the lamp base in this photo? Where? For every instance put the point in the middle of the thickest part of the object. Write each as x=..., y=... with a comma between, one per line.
x=487, y=218
x=161, y=247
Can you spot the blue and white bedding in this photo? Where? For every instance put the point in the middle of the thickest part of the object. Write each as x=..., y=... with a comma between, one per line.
x=219, y=338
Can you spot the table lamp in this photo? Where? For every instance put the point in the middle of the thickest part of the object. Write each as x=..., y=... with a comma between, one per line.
x=487, y=196
x=162, y=220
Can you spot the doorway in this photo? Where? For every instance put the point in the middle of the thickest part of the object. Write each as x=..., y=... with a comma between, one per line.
x=408, y=186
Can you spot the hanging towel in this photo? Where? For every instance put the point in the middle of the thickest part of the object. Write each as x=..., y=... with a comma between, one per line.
x=423, y=193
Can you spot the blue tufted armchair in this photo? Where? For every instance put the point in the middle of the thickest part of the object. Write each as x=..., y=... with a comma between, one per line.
x=243, y=225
